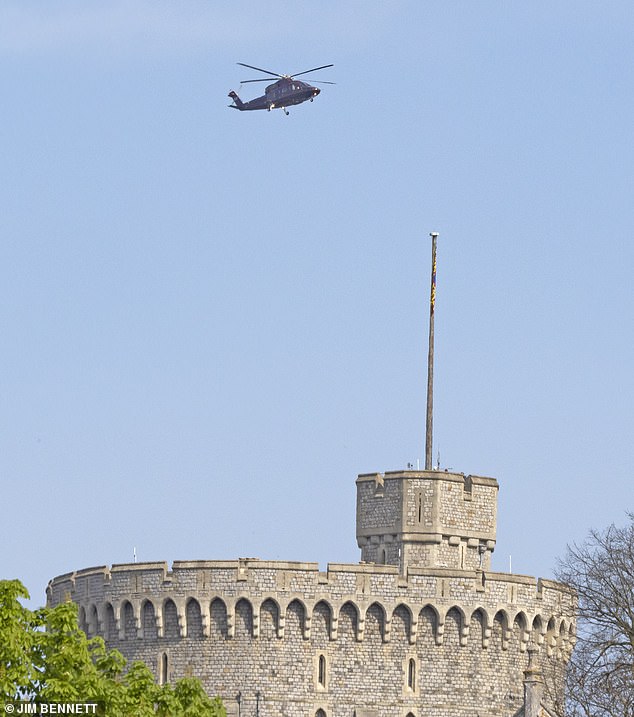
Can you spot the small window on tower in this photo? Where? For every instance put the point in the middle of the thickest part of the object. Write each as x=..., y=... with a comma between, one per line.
x=163, y=668
x=321, y=672
x=411, y=674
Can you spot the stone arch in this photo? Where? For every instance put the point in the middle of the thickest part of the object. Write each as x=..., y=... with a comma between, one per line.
x=81, y=618
x=521, y=619
x=321, y=622
x=320, y=713
x=428, y=623
x=218, y=618
x=269, y=619
x=148, y=620
x=478, y=628
x=194, y=619
x=170, y=620
x=500, y=629
x=456, y=608
x=295, y=619
x=520, y=632
x=110, y=622
x=243, y=618
x=562, y=637
x=502, y=617
x=454, y=619
x=401, y=624
x=348, y=621
x=128, y=621
x=572, y=638
x=92, y=620
x=375, y=623
x=538, y=630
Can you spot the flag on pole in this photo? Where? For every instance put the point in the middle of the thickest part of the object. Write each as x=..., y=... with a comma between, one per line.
x=432, y=300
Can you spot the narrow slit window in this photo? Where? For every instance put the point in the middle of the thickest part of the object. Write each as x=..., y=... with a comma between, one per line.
x=411, y=674
x=163, y=667
x=321, y=672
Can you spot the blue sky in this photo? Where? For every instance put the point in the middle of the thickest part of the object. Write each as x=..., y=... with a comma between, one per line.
x=212, y=321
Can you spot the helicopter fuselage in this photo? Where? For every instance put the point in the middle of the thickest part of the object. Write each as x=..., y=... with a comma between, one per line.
x=278, y=95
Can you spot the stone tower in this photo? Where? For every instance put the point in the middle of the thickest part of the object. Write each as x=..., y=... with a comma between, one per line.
x=420, y=628
x=426, y=519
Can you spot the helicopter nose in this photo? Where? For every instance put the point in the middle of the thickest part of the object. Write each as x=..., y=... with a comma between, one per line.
x=316, y=91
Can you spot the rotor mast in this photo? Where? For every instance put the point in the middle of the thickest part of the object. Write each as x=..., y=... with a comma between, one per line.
x=430, y=359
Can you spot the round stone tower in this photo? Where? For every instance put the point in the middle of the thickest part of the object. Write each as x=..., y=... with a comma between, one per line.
x=421, y=627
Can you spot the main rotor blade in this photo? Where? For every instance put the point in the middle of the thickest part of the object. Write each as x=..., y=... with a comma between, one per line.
x=262, y=79
x=305, y=72
x=319, y=82
x=259, y=69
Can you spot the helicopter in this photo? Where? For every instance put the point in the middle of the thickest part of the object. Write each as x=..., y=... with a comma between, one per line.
x=279, y=95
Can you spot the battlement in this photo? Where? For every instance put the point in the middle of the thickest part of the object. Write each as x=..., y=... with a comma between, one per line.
x=115, y=601
x=427, y=519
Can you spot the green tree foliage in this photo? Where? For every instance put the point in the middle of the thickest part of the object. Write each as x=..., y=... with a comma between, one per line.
x=44, y=656
x=17, y=630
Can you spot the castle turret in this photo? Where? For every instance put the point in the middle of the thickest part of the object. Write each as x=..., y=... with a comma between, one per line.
x=429, y=518
x=426, y=519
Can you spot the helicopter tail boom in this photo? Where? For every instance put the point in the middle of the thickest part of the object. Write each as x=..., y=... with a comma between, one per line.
x=238, y=104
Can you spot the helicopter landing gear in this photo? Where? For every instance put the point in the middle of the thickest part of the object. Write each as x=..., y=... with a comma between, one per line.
x=286, y=112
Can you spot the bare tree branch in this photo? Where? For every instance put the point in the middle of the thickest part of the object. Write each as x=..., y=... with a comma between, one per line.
x=600, y=677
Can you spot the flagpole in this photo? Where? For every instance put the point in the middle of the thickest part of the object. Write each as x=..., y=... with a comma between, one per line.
x=430, y=358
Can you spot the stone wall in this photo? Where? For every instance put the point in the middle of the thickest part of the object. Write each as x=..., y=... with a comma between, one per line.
x=360, y=640
x=427, y=518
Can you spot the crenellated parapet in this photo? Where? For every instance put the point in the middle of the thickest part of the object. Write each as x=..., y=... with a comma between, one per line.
x=124, y=602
